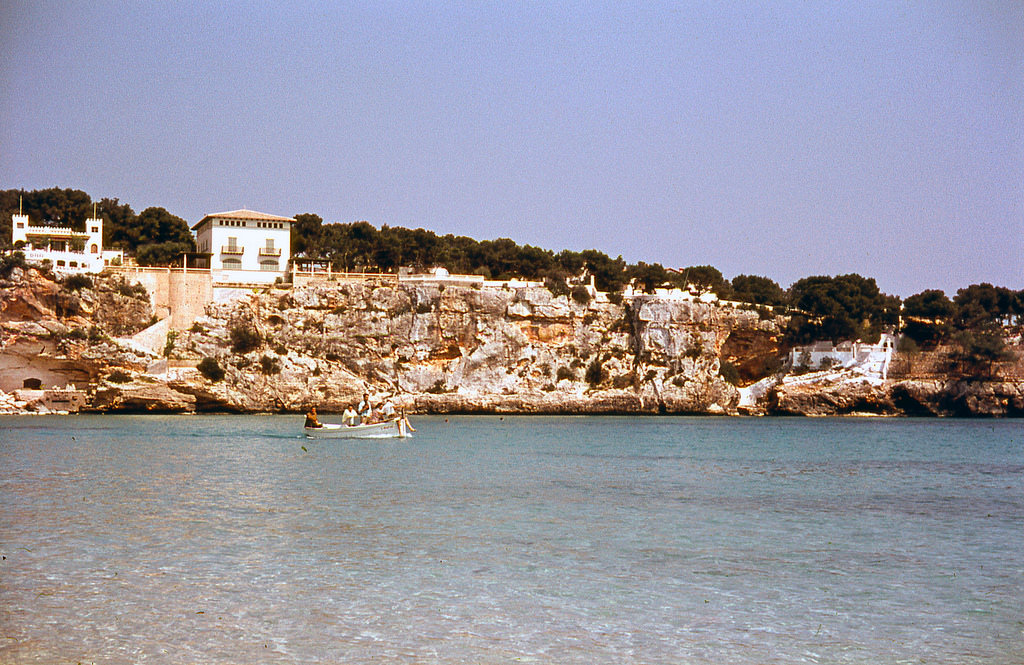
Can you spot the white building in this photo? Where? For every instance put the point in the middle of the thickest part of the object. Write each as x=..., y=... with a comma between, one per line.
x=68, y=251
x=245, y=246
x=872, y=359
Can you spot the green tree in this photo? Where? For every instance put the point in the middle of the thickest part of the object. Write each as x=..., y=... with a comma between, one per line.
x=758, y=290
x=981, y=305
x=118, y=223
x=158, y=237
x=306, y=237
x=838, y=308
x=609, y=274
x=928, y=316
x=979, y=351
x=648, y=276
x=705, y=278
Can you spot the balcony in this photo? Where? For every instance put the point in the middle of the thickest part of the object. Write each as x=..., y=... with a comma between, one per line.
x=232, y=249
x=270, y=251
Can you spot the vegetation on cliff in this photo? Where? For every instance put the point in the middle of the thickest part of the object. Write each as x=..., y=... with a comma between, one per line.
x=819, y=307
x=154, y=236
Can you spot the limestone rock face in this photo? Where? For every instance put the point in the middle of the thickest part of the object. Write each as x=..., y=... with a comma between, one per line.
x=445, y=348
x=142, y=397
x=932, y=397
x=438, y=348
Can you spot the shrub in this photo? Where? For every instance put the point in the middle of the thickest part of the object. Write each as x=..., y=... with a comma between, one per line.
x=615, y=297
x=76, y=282
x=136, y=290
x=907, y=345
x=169, y=346
x=281, y=350
x=197, y=328
x=557, y=287
x=729, y=372
x=12, y=261
x=245, y=339
x=595, y=373
x=565, y=373
x=119, y=376
x=211, y=369
x=270, y=365
x=581, y=294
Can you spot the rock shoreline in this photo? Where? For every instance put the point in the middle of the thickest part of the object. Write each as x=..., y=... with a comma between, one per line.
x=436, y=348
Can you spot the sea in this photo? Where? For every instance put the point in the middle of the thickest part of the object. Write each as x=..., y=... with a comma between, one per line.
x=675, y=540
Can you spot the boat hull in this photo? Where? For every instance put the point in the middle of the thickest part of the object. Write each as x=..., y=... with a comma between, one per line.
x=392, y=429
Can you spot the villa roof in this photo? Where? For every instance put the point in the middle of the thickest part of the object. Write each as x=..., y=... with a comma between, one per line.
x=248, y=215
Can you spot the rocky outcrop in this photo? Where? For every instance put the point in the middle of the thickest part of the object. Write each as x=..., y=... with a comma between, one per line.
x=928, y=397
x=463, y=349
x=438, y=348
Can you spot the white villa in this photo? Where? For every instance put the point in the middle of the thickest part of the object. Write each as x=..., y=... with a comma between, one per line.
x=68, y=251
x=245, y=246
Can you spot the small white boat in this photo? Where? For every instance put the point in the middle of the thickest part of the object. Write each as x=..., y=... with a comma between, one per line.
x=390, y=429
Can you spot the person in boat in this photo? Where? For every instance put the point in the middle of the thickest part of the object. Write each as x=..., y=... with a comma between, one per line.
x=408, y=425
x=365, y=409
x=350, y=416
x=387, y=410
x=312, y=420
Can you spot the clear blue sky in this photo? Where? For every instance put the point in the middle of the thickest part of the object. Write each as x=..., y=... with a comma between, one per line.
x=781, y=139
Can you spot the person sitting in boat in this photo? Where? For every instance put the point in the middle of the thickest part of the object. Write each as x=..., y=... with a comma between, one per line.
x=365, y=409
x=350, y=416
x=387, y=410
x=311, y=419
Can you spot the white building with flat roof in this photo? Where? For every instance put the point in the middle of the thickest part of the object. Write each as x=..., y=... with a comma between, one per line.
x=245, y=246
x=67, y=250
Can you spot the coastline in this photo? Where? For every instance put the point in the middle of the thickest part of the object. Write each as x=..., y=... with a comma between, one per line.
x=447, y=348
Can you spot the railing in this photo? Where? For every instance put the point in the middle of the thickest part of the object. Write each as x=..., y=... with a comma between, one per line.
x=228, y=249
x=269, y=251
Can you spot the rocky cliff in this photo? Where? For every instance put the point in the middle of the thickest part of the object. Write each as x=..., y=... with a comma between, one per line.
x=454, y=348
x=439, y=348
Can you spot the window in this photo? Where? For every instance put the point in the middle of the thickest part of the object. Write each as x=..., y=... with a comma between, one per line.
x=270, y=243
x=21, y=225
x=73, y=264
x=95, y=229
x=60, y=264
x=94, y=249
x=268, y=265
x=232, y=264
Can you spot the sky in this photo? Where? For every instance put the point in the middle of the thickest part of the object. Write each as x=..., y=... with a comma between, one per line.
x=780, y=139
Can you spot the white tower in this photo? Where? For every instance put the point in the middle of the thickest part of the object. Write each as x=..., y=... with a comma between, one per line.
x=94, y=245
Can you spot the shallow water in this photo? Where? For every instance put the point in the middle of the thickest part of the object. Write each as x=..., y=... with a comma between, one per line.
x=229, y=539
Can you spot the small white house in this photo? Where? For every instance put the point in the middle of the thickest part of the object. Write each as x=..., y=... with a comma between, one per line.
x=68, y=251
x=872, y=359
x=245, y=246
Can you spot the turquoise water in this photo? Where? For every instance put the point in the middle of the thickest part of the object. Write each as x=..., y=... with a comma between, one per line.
x=228, y=539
